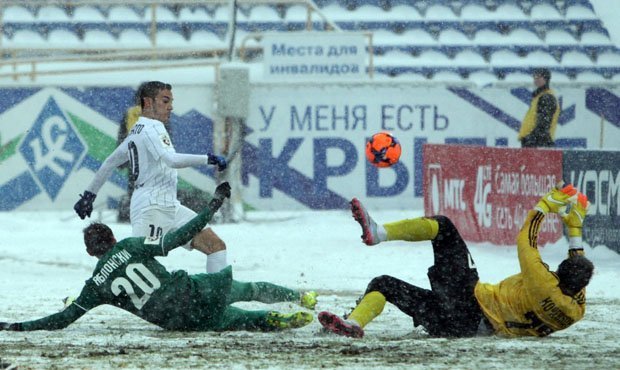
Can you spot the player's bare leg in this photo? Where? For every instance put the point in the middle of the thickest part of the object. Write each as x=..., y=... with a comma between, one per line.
x=210, y=244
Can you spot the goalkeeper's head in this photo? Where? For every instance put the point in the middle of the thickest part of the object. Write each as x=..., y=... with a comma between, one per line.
x=574, y=273
x=99, y=239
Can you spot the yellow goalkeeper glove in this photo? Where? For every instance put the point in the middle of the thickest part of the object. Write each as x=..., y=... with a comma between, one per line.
x=575, y=216
x=558, y=199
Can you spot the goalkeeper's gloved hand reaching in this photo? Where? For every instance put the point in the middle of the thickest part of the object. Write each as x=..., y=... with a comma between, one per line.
x=558, y=199
x=573, y=219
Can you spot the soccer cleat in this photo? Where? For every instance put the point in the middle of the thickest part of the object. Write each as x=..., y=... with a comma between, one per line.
x=279, y=321
x=308, y=300
x=558, y=199
x=369, y=226
x=339, y=326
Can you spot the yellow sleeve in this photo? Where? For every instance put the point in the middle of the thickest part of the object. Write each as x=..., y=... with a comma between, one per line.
x=544, y=305
x=132, y=116
x=536, y=275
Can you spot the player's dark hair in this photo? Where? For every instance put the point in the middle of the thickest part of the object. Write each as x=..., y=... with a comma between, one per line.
x=150, y=90
x=98, y=238
x=542, y=72
x=575, y=273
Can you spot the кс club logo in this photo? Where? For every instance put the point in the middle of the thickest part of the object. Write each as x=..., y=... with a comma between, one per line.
x=51, y=148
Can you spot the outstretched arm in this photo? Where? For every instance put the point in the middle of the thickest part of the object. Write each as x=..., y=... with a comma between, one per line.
x=86, y=300
x=55, y=321
x=84, y=206
x=186, y=232
x=535, y=271
x=115, y=159
x=574, y=224
x=180, y=160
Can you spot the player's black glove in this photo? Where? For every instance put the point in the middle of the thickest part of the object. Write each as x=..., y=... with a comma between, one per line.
x=221, y=192
x=218, y=160
x=10, y=326
x=84, y=206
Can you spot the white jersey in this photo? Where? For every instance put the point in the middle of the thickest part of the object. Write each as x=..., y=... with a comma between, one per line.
x=152, y=163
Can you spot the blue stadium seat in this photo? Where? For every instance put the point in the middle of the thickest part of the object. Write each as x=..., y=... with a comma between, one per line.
x=609, y=58
x=50, y=13
x=452, y=36
x=440, y=12
x=469, y=58
x=296, y=13
x=482, y=77
x=133, y=38
x=595, y=38
x=580, y=11
x=559, y=37
x=507, y=11
x=62, y=38
x=86, y=13
x=123, y=14
x=423, y=38
x=205, y=39
x=27, y=38
x=171, y=39
x=576, y=58
x=103, y=39
x=162, y=14
x=13, y=14
x=474, y=12
x=188, y=14
x=263, y=13
x=542, y=11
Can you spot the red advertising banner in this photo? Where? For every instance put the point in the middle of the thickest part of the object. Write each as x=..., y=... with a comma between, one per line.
x=487, y=191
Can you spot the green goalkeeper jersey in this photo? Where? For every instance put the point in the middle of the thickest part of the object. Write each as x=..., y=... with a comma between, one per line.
x=129, y=277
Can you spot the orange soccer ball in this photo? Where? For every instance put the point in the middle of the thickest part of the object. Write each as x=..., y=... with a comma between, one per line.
x=383, y=149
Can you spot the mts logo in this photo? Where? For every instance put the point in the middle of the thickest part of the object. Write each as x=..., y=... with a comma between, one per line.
x=52, y=148
x=453, y=190
x=444, y=193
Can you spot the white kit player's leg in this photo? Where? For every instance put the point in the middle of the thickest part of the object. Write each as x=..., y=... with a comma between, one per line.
x=152, y=222
x=207, y=241
x=210, y=244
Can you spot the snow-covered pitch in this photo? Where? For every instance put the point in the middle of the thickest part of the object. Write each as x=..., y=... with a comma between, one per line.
x=42, y=260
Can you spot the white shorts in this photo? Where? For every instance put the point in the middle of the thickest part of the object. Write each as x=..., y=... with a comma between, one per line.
x=157, y=221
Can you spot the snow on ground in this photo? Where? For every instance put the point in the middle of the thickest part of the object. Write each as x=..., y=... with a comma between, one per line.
x=42, y=260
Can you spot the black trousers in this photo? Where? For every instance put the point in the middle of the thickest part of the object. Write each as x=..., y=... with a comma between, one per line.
x=450, y=308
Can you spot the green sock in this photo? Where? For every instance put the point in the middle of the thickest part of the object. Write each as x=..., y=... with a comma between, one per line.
x=261, y=292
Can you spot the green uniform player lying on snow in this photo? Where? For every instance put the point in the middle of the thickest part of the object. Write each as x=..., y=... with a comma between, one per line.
x=129, y=277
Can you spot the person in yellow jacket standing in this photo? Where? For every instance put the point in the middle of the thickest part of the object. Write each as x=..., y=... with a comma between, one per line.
x=540, y=122
x=534, y=302
x=129, y=120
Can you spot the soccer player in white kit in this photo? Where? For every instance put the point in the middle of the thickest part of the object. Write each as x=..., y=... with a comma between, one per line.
x=153, y=164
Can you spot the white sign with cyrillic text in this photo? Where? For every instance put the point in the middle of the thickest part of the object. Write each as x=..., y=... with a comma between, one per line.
x=314, y=56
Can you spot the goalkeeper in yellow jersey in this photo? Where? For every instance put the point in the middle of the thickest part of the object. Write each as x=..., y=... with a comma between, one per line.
x=534, y=302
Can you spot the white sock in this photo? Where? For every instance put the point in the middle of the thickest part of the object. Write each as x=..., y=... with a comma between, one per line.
x=381, y=233
x=216, y=261
x=575, y=242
